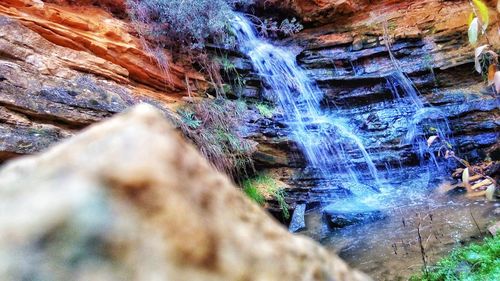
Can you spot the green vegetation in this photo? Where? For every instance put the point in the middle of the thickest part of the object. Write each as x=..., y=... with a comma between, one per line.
x=185, y=27
x=264, y=186
x=188, y=118
x=184, y=23
x=486, y=58
x=279, y=195
x=476, y=262
x=232, y=75
x=253, y=192
x=226, y=64
x=265, y=110
x=213, y=125
x=271, y=28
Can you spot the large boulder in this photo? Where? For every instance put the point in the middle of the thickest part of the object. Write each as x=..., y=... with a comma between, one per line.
x=128, y=199
x=348, y=212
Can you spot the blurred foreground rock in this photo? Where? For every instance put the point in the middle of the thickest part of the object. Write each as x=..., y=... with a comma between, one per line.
x=129, y=200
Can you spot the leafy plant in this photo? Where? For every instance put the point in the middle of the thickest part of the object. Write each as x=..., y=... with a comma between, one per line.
x=265, y=110
x=188, y=117
x=476, y=262
x=486, y=60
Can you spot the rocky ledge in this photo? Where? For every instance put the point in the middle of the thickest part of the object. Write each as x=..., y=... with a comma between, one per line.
x=63, y=67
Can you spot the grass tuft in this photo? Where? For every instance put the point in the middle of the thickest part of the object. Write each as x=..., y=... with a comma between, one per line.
x=476, y=262
x=262, y=187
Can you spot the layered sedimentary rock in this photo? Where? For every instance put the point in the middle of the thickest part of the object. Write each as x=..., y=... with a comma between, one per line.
x=346, y=53
x=128, y=199
x=316, y=10
x=92, y=30
x=65, y=67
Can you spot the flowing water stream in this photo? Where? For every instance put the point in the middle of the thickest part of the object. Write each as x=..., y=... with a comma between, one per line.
x=387, y=248
x=322, y=137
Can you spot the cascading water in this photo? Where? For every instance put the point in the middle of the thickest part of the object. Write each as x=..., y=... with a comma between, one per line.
x=323, y=138
x=426, y=121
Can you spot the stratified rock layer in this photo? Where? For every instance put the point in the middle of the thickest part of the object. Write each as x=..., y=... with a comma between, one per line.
x=343, y=48
x=129, y=200
x=65, y=67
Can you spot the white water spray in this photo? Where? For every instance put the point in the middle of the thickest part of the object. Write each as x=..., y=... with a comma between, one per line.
x=323, y=138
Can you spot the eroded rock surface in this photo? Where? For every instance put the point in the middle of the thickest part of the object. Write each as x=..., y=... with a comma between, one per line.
x=345, y=51
x=63, y=67
x=128, y=199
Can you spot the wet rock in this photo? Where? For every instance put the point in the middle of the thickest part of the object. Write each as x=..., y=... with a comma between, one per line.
x=494, y=229
x=349, y=59
x=298, y=220
x=129, y=199
x=315, y=10
x=349, y=212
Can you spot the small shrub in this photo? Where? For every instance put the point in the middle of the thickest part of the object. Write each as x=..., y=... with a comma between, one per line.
x=185, y=27
x=188, y=118
x=271, y=28
x=213, y=125
x=184, y=23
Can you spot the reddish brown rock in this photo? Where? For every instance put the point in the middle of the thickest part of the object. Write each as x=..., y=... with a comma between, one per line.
x=90, y=29
x=63, y=67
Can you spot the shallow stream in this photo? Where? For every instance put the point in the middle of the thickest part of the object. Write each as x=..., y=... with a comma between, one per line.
x=389, y=249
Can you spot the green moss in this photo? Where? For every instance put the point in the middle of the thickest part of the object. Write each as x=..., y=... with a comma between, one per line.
x=265, y=110
x=476, y=262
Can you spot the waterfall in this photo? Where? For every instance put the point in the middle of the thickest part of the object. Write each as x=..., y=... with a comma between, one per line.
x=326, y=140
x=426, y=120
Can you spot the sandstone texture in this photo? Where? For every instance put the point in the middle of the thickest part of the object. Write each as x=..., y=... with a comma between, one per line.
x=63, y=67
x=128, y=199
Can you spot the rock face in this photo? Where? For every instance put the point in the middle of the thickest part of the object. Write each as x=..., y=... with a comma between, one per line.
x=92, y=30
x=129, y=200
x=65, y=67
x=345, y=51
x=316, y=10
